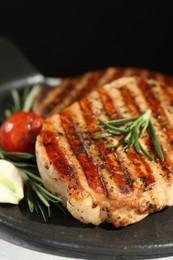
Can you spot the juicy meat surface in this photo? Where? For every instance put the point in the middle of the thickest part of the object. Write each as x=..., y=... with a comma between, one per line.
x=99, y=184
x=54, y=99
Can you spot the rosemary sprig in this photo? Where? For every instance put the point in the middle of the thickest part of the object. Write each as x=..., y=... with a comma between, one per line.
x=11, y=155
x=24, y=102
x=37, y=197
x=132, y=129
x=155, y=141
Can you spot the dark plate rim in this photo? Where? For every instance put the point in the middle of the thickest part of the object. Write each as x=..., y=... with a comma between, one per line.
x=19, y=231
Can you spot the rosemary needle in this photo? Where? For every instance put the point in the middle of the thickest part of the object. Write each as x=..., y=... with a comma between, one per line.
x=155, y=141
x=23, y=103
x=132, y=129
x=39, y=199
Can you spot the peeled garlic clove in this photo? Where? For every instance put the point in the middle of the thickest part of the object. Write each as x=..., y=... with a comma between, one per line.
x=11, y=183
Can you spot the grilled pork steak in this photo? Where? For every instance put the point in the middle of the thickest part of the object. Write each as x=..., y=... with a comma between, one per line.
x=99, y=184
x=54, y=99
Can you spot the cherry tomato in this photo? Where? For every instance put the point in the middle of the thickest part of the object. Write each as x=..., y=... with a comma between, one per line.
x=18, y=133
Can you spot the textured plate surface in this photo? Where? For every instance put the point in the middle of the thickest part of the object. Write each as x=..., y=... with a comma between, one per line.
x=150, y=238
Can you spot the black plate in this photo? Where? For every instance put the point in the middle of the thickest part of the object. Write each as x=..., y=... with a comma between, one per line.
x=150, y=238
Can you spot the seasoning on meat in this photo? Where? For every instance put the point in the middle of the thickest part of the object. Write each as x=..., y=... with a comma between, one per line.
x=98, y=184
x=51, y=100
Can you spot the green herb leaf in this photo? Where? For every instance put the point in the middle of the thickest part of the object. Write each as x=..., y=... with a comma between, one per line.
x=136, y=128
x=28, y=101
x=20, y=155
x=22, y=103
x=39, y=199
x=155, y=141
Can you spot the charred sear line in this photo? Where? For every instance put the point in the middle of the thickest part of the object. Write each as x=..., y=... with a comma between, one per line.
x=134, y=158
x=107, y=104
x=60, y=134
x=91, y=84
x=154, y=103
x=125, y=178
x=155, y=106
x=56, y=155
x=130, y=181
x=47, y=143
x=134, y=109
x=124, y=189
x=146, y=182
x=112, y=164
x=80, y=148
x=119, y=72
x=65, y=88
x=168, y=170
x=101, y=149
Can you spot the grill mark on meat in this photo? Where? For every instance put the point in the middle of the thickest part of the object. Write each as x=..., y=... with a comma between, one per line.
x=160, y=77
x=164, y=168
x=72, y=93
x=91, y=84
x=159, y=114
x=141, y=103
x=93, y=149
x=55, y=99
x=166, y=98
x=131, y=153
x=152, y=75
x=168, y=89
x=146, y=174
x=107, y=103
x=123, y=178
x=62, y=163
x=61, y=92
x=55, y=154
x=129, y=166
x=79, y=148
x=127, y=208
x=98, y=78
x=50, y=99
x=168, y=80
x=153, y=99
x=129, y=101
x=107, y=76
x=114, y=169
x=115, y=73
x=137, y=72
x=119, y=72
x=138, y=184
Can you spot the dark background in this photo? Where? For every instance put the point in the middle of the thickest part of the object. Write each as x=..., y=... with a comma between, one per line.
x=64, y=38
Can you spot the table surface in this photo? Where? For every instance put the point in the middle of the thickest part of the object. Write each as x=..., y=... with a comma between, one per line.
x=9, y=251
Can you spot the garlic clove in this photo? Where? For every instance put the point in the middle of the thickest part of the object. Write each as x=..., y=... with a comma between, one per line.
x=11, y=183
